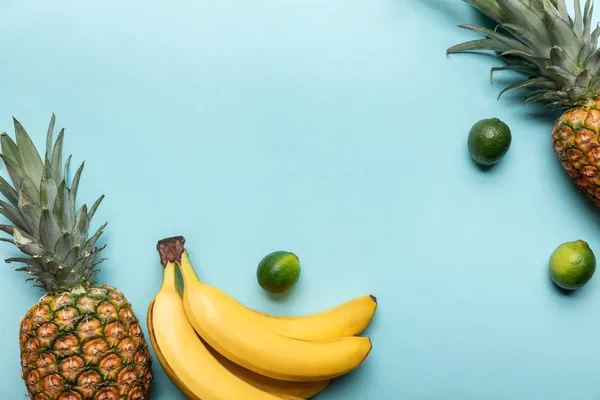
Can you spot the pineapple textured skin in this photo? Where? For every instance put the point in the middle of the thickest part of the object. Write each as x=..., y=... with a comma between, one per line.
x=84, y=345
x=576, y=140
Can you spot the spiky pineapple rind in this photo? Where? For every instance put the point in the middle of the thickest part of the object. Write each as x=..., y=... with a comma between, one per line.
x=85, y=345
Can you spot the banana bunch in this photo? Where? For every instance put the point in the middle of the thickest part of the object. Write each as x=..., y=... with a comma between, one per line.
x=215, y=348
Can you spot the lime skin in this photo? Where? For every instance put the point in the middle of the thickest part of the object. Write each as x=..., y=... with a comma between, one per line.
x=278, y=271
x=489, y=140
x=572, y=265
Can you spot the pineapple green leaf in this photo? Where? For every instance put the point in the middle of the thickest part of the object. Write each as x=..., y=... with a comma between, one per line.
x=560, y=58
x=40, y=206
x=539, y=82
x=562, y=76
x=561, y=7
x=563, y=37
x=511, y=43
x=594, y=39
x=49, y=136
x=92, y=240
x=75, y=187
x=9, y=192
x=31, y=161
x=530, y=38
x=81, y=226
x=13, y=215
x=24, y=260
x=62, y=210
x=575, y=92
x=9, y=148
x=92, y=255
x=56, y=159
x=20, y=179
x=49, y=229
x=578, y=21
x=539, y=95
x=94, y=207
x=7, y=240
x=490, y=8
x=26, y=243
x=524, y=58
x=66, y=171
x=478, y=44
x=556, y=8
x=526, y=16
x=588, y=14
x=44, y=277
x=583, y=80
x=93, y=272
x=64, y=244
x=29, y=261
x=7, y=228
x=48, y=192
x=73, y=279
x=98, y=261
x=517, y=68
x=48, y=172
x=593, y=63
x=72, y=256
x=32, y=214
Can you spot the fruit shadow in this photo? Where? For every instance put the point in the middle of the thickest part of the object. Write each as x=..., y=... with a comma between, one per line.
x=280, y=297
x=486, y=168
x=567, y=293
x=577, y=198
x=341, y=387
x=481, y=167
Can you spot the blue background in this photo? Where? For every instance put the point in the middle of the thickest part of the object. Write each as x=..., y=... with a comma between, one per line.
x=334, y=129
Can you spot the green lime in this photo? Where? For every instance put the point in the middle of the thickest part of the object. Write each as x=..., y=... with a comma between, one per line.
x=278, y=271
x=572, y=264
x=489, y=140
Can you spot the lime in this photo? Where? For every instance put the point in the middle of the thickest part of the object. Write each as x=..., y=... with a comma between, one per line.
x=278, y=271
x=489, y=140
x=572, y=265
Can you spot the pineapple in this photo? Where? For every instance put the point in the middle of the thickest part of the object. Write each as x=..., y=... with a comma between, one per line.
x=81, y=340
x=561, y=61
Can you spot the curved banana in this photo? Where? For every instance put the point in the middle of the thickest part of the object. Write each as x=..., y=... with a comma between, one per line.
x=285, y=389
x=304, y=390
x=189, y=364
x=347, y=319
x=230, y=330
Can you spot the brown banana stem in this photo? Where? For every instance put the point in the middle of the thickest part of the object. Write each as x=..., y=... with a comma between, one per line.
x=170, y=249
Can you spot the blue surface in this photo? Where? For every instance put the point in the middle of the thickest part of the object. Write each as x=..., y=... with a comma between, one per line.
x=333, y=129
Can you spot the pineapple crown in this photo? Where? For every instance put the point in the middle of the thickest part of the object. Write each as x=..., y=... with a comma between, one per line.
x=540, y=39
x=41, y=205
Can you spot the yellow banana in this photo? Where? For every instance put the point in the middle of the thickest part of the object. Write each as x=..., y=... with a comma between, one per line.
x=189, y=364
x=347, y=319
x=304, y=390
x=284, y=389
x=230, y=330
